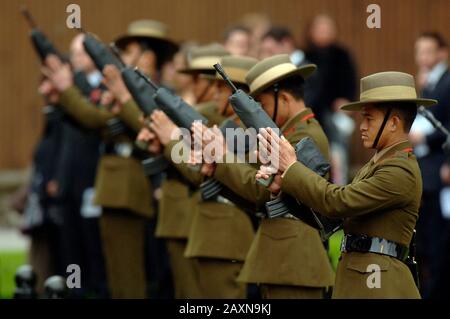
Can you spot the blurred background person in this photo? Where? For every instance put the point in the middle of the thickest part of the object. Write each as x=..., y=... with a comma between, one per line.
x=74, y=183
x=236, y=40
x=36, y=201
x=336, y=75
x=181, y=83
x=279, y=40
x=258, y=24
x=433, y=79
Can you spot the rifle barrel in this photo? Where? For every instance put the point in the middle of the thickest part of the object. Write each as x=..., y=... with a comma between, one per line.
x=28, y=17
x=146, y=78
x=430, y=117
x=225, y=77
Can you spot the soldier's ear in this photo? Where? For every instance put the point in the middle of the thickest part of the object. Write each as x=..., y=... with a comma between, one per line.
x=395, y=123
x=284, y=97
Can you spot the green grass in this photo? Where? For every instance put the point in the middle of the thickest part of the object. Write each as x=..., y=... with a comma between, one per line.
x=334, y=250
x=9, y=262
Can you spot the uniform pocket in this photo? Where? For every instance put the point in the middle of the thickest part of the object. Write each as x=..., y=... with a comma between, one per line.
x=367, y=262
x=216, y=210
x=281, y=228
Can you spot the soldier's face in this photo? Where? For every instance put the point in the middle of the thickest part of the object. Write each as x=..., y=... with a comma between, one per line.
x=131, y=53
x=204, y=89
x=372, y=118
x=267, y=101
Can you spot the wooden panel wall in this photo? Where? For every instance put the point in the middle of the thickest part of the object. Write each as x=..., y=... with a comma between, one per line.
x=388, y=48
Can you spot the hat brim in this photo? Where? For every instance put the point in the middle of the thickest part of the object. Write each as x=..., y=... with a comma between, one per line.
x=195, y=71
x=164, y=48
x=304, y=71
x=357, y=106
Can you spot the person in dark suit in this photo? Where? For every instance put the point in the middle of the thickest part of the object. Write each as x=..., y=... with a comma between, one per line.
x=74, y=182
x=432, y=230
x=336, y=77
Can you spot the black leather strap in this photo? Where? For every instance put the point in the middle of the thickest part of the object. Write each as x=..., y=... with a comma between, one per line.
x=377, y=245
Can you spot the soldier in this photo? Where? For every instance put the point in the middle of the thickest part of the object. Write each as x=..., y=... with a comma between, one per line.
x=381, y=205
x=277, y=258
x=147, y=46
x=200, y=66
x=122, y=188
x=179, y=196
x=220, y=233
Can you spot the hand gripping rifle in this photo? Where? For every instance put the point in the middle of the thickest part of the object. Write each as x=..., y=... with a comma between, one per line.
x=101, y=55
x=249, y=111
x=252, y=115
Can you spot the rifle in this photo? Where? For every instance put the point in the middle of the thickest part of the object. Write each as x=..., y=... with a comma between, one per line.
x=252, y=115
x=438, y=125
x=41, y=43
x=101, y=55
x=249, y=111
x=181, y=113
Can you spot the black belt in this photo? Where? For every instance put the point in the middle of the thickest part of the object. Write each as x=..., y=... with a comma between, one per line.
x=377, y=245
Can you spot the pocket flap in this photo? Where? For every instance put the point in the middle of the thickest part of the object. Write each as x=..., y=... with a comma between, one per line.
x=216, y=210
x=367, y=262
x=281, y=228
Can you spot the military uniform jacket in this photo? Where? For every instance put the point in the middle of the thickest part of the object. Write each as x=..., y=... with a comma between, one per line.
x=285, y=251
x=218, y=230
x=120, y=181
x=179, y=200
x=382, y=201
x=176, y=207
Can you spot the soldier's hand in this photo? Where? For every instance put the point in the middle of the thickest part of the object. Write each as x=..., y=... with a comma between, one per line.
x=107, y=99
x=58, y=73
x=210, y=140
x=264, y=172
x=114, y=82
x=277, y=149
x=163, y=127
x=146, y=136
x=208, y=169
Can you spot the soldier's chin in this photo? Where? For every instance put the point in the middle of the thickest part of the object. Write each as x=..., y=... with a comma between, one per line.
x=367, y=143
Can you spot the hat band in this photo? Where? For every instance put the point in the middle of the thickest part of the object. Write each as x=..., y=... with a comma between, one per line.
x=235, y=74
x=389, y=93
x=270, y=74
x=204, y=62
x=146, y=32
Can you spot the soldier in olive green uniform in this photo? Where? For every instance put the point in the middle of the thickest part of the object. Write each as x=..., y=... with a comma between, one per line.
x=179, y=196
x=122, y=189
x=220, y=233
x=381, y=205
x=287, y=258
x=200, y=66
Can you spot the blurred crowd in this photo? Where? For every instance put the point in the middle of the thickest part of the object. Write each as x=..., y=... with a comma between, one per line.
x=67, y=226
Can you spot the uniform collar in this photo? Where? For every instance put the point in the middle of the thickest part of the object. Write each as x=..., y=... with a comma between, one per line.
x=388, y=151
x=300, y=116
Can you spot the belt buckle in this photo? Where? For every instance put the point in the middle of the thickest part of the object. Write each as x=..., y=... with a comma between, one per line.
x=223, y=200
x=343, y=244
x=123, y=149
